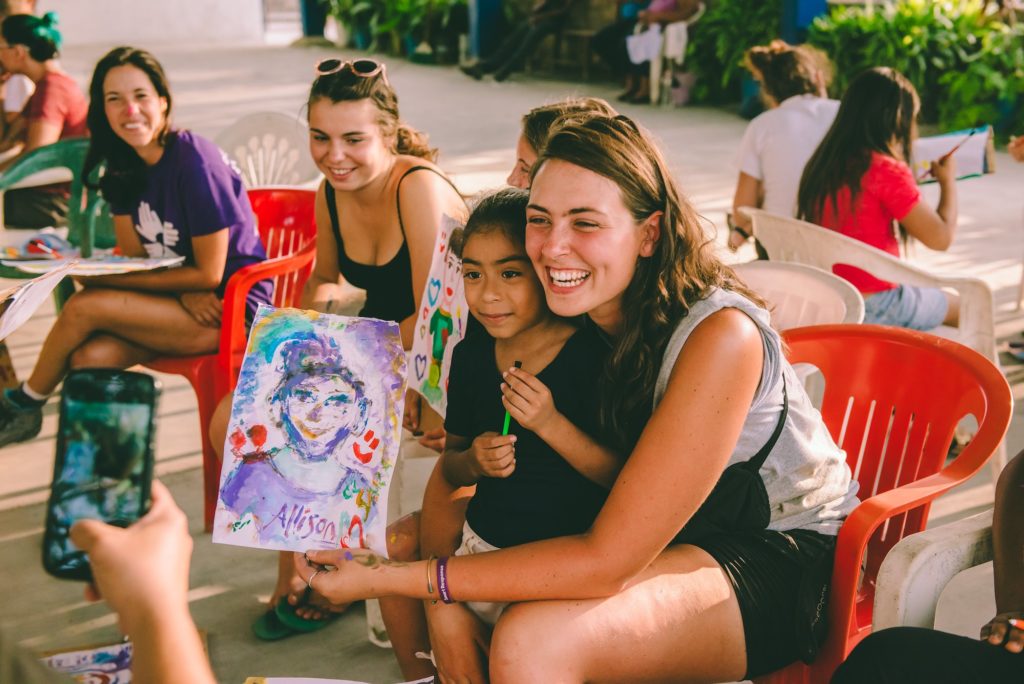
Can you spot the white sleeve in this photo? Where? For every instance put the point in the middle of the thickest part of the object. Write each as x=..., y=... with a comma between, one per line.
x=748, y=157
x=17, y=90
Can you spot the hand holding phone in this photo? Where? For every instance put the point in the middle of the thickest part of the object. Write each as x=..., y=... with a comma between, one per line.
x=141, y=571
x=104, y=464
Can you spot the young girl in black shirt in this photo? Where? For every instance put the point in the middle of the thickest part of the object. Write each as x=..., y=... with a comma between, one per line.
x=547, y=477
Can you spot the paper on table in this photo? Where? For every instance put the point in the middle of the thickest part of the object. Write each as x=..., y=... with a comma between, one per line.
x=111, y=664
x=94, y=266
x=17, y=304
x=974, y=157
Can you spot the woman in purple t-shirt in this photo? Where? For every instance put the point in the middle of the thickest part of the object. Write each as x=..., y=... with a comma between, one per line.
x=173, y=193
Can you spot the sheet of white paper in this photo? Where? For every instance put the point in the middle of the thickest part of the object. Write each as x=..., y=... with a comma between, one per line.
x=107, y=664
x=314, y=433
x=970, y=157
x=94, y=266
x=18, y=303
x=442, y=319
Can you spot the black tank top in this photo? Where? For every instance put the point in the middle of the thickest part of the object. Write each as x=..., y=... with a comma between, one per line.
x=388, y=287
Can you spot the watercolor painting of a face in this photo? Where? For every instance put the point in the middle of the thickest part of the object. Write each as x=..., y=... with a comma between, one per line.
x=107, y=664
x=442, y=320
x=314, y=433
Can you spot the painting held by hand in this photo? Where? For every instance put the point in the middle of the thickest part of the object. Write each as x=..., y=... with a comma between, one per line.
x=441, y=323
x=314, y=433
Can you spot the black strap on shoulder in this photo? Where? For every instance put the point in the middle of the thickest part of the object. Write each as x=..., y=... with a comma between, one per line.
x=332, y=209
x=755, y=463
x=398, y=190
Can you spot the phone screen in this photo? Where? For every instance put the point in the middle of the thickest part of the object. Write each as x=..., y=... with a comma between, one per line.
x=103, y=467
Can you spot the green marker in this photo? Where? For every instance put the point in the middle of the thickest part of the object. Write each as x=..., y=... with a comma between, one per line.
x=508, y=418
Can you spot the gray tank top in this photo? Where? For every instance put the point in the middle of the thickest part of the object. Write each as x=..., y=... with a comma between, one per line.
x=808, y=482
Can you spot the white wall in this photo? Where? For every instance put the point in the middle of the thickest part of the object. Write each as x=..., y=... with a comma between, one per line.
x=154, y=22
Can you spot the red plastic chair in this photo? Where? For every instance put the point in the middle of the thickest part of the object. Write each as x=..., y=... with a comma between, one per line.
x=284, y=217
x=892, y=400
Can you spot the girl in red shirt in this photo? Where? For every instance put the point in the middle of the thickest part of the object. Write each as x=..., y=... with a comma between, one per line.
x=859, y=183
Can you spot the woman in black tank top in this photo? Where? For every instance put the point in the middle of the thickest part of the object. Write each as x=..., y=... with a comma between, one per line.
x=377, y=213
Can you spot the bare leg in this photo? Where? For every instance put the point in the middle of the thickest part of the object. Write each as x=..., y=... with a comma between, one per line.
x=679, y=621
x=109, y=351
x=404, y=618
x=154, y=321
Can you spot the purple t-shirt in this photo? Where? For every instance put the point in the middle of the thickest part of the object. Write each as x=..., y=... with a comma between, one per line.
x=195, y=190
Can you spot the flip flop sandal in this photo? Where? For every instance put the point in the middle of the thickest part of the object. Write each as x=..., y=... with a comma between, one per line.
x=285, y=613
x=268, y=627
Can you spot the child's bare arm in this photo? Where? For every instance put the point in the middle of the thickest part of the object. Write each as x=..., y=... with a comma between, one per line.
x=463, y=462
x=529, y=402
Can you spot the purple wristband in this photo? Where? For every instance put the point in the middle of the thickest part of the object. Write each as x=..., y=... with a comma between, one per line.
x=442, y=580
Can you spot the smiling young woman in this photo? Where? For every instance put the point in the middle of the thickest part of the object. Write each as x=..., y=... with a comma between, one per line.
x=172, y=193
x=377, y=215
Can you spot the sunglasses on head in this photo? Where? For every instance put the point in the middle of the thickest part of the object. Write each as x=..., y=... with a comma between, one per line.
x=363, y=68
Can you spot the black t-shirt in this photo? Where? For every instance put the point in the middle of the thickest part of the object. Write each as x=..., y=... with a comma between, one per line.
x=544, y=497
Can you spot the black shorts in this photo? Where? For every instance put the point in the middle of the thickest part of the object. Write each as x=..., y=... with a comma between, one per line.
x=766, y=570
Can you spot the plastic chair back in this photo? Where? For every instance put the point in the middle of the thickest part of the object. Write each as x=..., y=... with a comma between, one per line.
x=892, y=401
x=802, y=295
x=269, y=149
x=789, y=239
x=287, y=227
x=89, y=221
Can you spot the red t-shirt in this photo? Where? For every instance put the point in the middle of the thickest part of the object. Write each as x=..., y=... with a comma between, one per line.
x=58, y=101
x=888, y=191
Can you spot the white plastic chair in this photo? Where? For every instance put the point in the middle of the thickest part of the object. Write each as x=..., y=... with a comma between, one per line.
x=789, y=239
x=802, y=295
x=918, y=570
x=270, y=149
x=660, y=77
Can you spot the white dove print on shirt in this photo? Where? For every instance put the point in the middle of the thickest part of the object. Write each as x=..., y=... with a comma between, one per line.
x=158, y=237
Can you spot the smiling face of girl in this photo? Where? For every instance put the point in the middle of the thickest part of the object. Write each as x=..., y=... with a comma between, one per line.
x=502, y=290
x=347, y=143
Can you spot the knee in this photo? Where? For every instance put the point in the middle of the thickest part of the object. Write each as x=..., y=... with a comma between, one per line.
x=528, y=647
x=82, y=307
x=93, y=355
x=404, y=538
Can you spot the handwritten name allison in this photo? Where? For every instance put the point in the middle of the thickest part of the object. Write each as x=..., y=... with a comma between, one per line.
x=299, y=521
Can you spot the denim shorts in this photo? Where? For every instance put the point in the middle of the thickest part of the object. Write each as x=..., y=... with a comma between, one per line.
x=906, y=306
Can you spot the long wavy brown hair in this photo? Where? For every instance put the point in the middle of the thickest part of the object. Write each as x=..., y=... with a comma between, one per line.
x=683, y=268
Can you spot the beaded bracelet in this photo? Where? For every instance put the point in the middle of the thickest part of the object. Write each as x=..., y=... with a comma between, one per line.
x=442, y=580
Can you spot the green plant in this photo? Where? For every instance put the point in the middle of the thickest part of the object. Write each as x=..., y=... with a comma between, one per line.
x=966, y=63
x=720, y=38
x=394, y=20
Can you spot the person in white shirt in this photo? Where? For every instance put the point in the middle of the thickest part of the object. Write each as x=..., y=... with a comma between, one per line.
x=777, y=144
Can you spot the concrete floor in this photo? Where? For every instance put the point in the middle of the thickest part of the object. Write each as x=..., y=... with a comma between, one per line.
x=475, y=125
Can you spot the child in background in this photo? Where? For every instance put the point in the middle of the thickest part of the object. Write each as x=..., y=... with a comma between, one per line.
x=15, y=89
x=562, y=477
x=859, y=183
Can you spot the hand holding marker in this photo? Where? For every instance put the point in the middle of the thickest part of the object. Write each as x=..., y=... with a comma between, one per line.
x=508, y=418
x=950, y=153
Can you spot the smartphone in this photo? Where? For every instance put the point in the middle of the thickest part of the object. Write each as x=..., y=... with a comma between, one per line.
x=104, y=464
